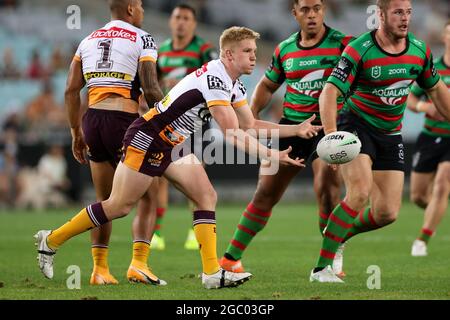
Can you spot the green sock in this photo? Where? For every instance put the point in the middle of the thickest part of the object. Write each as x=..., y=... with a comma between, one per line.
x=339, y=223
x=159, y=220
x=363, y=222
x=252, y=221
x=425, y=235
x=323, y=221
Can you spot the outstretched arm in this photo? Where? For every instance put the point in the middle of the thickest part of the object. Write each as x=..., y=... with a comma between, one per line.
x=303, y=130
x=328, y=107
x=228, y=123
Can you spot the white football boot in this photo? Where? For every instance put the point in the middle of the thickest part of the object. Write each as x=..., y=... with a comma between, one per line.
x=419, y=248
x=223, y=278
x=325, y=275
x=45, y=254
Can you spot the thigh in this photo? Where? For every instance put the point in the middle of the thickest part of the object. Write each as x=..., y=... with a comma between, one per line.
x=443, y=173
x=357, y=174
x=128, y=187
x=188, y=175
x=324, y=175
x=386, y=197
x=421, y=183
x=270, y=188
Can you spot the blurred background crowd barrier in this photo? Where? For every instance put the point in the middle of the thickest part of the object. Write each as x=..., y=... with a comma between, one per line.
x=36, y=165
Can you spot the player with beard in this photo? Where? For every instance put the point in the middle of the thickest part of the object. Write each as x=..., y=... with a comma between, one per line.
x=378, y=69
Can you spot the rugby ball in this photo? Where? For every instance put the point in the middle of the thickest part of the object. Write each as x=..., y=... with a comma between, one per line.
x=338, y=147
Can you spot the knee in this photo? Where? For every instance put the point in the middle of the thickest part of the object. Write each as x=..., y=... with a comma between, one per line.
x=208, y=199
x=441, y=188
x=117, y=210
x=386, y=216
x=357, y=198
x=328, y=196
x=419, y=198
x=264, y=199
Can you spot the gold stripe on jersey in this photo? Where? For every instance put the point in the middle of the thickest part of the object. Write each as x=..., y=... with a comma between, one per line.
x=77, y=58
x=148, y=58
x=134, y=158
x=150, y=114
x=213, y=103
x=97, y=94
x=240, y=103
x=108, y=74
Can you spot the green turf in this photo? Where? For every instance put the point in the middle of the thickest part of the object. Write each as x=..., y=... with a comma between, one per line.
x=280, y=259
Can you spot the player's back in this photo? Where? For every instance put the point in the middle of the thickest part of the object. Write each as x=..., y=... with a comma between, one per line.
x=110, y=58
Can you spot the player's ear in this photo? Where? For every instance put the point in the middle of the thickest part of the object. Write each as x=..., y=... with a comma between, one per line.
x=229, y=54
x=381, y=15
x=130, y=8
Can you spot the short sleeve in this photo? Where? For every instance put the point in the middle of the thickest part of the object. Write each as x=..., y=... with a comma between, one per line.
x=215, y=91
x=77, y=55
x=275, y=72
x=417, y=91
x=239, y=96
x=429, y=76
x=346, y=70
x=148, y=49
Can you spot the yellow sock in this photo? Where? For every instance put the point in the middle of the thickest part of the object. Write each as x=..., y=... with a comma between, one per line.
x=100, y=257
x=78, y=224
x=141, y=250
x=206, y=237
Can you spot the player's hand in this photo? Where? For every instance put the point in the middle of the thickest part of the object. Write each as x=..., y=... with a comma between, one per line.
x=285, y=160
x=79, y=147
x=307, y=130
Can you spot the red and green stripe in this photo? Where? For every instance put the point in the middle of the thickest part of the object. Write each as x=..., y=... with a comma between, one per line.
x=252, y=221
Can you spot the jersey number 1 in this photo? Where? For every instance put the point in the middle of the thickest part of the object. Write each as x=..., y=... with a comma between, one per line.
x=105, y=63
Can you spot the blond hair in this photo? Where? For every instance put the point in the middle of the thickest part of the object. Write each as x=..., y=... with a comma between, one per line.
x=384, y=4
x=235, y=34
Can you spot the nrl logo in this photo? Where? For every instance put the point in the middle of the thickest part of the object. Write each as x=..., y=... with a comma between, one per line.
x=289, y=63
x=376, y=72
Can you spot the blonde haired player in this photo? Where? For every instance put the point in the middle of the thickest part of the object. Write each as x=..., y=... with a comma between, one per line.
x=149, y=142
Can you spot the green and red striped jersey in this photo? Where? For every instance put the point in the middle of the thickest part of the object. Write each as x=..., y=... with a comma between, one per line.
x=379, y=82
x=432, y=126
x=305, y=70
x=176, y=64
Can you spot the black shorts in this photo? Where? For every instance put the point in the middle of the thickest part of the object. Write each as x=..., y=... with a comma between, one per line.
x=386, y=151
x=429, y=152
x=103, y=133
x=301, y=148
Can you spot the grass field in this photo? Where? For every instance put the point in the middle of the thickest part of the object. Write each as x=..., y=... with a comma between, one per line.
x=280, y=259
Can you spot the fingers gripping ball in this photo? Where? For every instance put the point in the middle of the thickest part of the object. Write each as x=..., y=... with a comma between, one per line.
x=338, y=147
